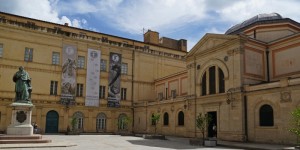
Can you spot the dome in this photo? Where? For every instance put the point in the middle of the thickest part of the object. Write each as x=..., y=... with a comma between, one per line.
x=257, y=18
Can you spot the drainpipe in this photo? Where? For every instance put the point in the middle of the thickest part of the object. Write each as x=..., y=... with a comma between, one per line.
x=132, y=87
x=268, y=67
x=246, y=116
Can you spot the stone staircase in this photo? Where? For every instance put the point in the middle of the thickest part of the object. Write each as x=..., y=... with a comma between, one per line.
x=22, y=139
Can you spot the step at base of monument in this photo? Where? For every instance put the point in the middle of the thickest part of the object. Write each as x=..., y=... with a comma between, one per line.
x=18, y=139
x=23, y=141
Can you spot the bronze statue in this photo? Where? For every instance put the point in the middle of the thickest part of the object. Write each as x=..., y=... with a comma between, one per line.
x=23, y=87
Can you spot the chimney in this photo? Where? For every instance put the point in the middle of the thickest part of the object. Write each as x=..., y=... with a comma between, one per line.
x=182, y=45
x=151, y=37
x=66, y=24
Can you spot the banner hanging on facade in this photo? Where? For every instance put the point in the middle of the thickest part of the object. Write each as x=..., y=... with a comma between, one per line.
x=68, y=80
x=93, y=78
x=114, y=80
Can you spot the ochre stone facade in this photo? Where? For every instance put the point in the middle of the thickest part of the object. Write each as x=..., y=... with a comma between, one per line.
x=247, y=80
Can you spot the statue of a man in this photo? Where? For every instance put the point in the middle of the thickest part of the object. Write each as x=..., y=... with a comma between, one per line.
x=23, y=88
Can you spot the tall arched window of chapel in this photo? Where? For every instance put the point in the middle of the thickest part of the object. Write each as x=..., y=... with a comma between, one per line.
x=213, y=81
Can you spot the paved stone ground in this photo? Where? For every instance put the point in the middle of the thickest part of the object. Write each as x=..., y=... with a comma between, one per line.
x=111, y=142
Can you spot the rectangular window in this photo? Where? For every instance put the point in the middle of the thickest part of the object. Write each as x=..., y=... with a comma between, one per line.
x=80, y=123
x=55, y=58
x=28, y=54
x=123, y=93
x=79, y=90
x=103, y=63
x=173, y=93
x=53, y=87
x=124, y=68
x=1, y=50
x=80, y=62
x=101, y=124
x=160, y=96
x=102, y=92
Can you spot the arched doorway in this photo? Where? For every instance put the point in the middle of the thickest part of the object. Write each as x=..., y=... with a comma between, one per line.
x=52, y=122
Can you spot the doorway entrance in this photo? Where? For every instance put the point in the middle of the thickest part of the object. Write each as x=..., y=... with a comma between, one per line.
x=52, y=122
x=210, y=130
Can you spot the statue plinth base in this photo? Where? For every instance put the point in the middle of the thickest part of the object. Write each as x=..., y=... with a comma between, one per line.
x=20, y=119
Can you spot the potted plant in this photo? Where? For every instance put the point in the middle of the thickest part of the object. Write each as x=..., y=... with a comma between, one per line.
x=202, y=122
x=295, y=122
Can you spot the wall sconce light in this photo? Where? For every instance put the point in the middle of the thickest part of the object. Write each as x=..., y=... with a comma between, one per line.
x=229, y=96
x=198, y=67
x=158, y=109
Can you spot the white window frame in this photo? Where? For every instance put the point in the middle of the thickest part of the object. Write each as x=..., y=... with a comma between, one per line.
x=53, y=87
x=103, y=63
x=1, y=50
x=102, y=92
x=101, y=122
x=55, y=58
x=28, y=56
x=80, y=62
x=79, y=90
x=123, y=93
x=124, y=68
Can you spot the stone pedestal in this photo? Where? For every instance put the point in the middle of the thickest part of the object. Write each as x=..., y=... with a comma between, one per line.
x=21, y=119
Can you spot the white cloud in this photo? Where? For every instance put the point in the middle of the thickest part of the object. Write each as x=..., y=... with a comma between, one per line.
x=38, y=9
x=133, y=16
x=214, y=30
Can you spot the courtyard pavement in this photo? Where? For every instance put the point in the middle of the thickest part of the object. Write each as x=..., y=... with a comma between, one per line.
x=117, y=142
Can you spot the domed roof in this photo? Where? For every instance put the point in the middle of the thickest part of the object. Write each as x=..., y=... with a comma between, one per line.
x=257, y=18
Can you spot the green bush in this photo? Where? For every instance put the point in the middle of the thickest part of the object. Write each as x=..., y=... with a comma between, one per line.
x=295, y=122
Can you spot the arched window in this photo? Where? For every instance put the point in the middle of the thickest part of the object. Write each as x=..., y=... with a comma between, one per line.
x=212, y=80
x=122, y=122
x=101, y=122
x=266, y=117
x=79, y=120
x=215, y=79
x=221, y=81
x=181, y=118
x=166, y=119
x=204, y=84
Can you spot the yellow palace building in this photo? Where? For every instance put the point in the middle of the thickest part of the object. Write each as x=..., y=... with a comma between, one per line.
x=246, y=79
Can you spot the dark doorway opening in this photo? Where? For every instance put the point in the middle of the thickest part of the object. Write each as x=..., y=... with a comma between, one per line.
x=211, y=131
x=52, y=122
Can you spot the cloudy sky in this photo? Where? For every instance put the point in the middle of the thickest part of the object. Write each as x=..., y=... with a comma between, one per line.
x=177, y=19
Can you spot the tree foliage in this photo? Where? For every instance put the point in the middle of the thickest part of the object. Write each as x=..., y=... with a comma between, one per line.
x=74, y=122
x=202, y=122
x=295, y=122
x=155, y=118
